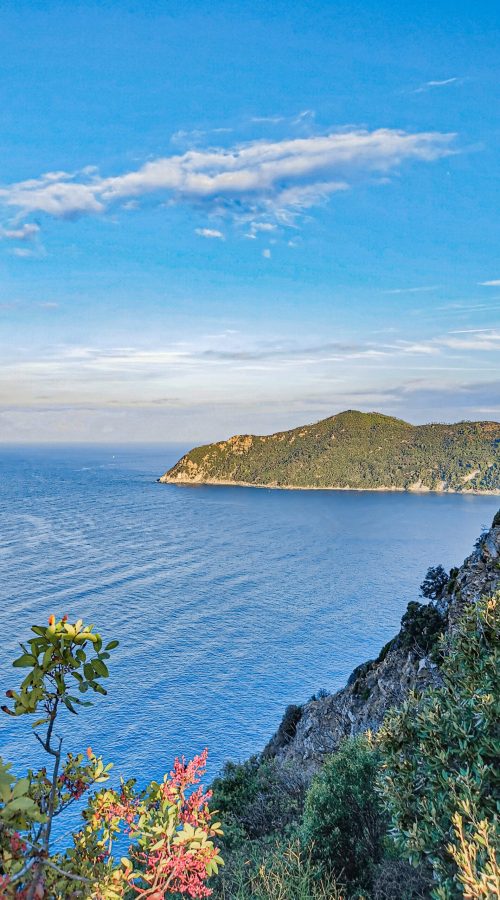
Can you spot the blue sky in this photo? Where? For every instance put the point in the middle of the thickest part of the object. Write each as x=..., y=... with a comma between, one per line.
x=234, y=216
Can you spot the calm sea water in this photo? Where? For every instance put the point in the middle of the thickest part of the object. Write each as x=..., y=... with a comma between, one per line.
x=229, y=603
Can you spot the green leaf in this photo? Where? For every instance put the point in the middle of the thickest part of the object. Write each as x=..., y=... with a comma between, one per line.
x=47, y=656
x=21, y=787
x=22, y=804
x=40, y=722
x=27, y=659
x=100, y=668
x=112, y=645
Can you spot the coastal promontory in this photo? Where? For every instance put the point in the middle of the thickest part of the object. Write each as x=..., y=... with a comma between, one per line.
x=353, y=450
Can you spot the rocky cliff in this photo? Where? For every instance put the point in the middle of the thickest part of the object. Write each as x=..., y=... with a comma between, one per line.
x=409, y=661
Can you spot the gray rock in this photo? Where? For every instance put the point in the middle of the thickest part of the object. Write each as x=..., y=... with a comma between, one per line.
x=376, y=686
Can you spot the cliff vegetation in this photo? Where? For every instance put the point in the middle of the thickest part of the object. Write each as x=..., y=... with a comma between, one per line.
x=353, y=450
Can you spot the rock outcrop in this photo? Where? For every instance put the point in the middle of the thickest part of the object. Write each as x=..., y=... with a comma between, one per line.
x=308, y=733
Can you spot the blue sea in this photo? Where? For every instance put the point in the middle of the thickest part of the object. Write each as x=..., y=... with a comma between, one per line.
x=229, y=603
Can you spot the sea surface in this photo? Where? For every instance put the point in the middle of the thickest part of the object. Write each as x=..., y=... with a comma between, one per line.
x=229, y=603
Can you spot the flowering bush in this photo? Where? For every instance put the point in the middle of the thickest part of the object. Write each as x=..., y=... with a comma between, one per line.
x=168, y=825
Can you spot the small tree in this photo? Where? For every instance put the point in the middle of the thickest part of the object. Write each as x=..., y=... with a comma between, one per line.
x=169, y=824
x=434, y=583
x=342, y=817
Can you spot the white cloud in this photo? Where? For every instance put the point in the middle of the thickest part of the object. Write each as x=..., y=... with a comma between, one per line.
x=263, y=226
x=236, y=368
x=486, y=339
x=413, y=290
x=27, y=232
x=210, y=233
x=430, y=85
x=24, y=252
x=266, y=253
x=268, y=120
x=441, y=83
x=279, y=179
x=494, y=283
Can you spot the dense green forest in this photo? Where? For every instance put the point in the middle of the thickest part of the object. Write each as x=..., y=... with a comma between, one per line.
x=354, y=450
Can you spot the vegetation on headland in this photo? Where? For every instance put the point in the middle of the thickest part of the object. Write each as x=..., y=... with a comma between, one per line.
x=408, y=813
x=353, y=450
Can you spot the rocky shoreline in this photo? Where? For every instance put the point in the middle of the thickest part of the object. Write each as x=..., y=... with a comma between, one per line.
x=166, y=479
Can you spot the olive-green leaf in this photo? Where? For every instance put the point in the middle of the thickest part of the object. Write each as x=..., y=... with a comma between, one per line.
x=24, y=661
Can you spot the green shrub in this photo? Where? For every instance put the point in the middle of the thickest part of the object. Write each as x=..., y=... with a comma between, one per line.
x=440, y=754
x=281, y=871
x=342, y=817
x=257, y=798
x=434, y=583
x=421, y=627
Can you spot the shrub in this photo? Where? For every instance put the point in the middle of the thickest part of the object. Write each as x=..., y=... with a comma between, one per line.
x=257, y=798
x=439, y=781
x=342, y=817
x=421, y=627
x=396, y=879
x=434, y=583
x=283, y=871
x=169, y=824
x=322, y=694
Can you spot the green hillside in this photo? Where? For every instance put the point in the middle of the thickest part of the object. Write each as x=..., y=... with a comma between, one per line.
x=353, y=450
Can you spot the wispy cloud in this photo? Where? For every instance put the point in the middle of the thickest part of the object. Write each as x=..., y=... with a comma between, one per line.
x=268, y=120
x=231, y=380
x=26, y=232
x=480, y=339
x=494, y=283
x=274, y=179
x=88, y=363
x=26, y=252
x=210, y=233
x=413, y=290
x=431, y=85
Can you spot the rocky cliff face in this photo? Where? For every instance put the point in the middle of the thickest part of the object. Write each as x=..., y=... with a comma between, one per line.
x=409, y=661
